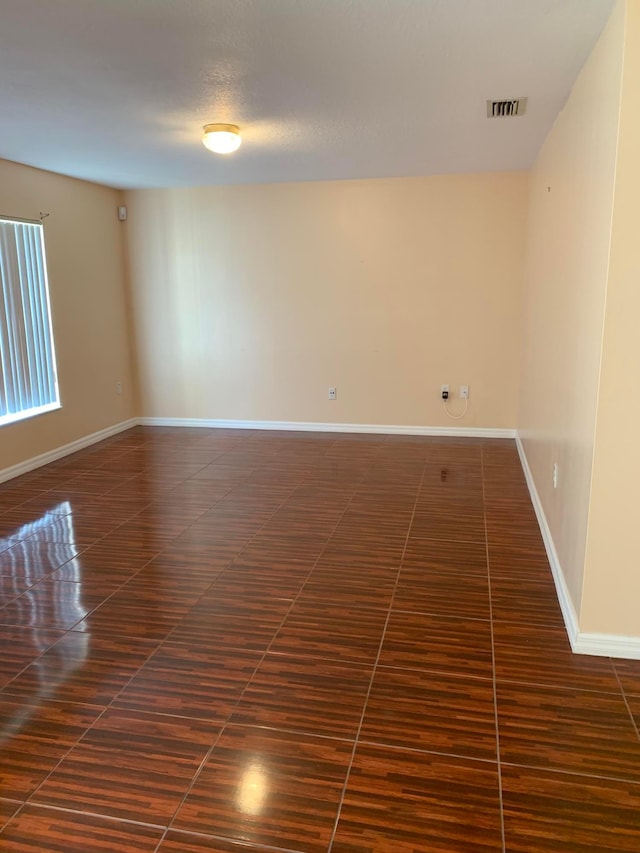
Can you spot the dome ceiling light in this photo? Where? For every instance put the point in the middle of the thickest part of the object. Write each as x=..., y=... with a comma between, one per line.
x=221, y=138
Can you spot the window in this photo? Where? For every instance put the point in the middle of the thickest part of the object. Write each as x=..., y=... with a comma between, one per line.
x=28, y=381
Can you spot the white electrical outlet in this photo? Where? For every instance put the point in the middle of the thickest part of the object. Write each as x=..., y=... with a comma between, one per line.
x=556, y=475
x=444, y=392
x=118, y=387
x=332, y=393
x=464, y=392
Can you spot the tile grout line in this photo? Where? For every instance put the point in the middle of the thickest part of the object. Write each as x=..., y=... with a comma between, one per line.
x=626, y=701
x=159, y=554
x=83, y=548
x=209, y=751
x=264, y=655
x=93, y=498
x=492, y=485
x=560, y=771
x=89, y=728
x=86, y=813
x=375, y=667
x=29, y=799
x=93, y=609
x=493, y=655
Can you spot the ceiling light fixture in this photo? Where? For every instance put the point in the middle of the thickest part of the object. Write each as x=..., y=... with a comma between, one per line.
x=221, y=138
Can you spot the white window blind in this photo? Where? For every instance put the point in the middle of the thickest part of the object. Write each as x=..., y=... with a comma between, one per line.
x=28, y=381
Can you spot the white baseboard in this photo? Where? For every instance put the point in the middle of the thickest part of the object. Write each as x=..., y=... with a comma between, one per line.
x=603, y=645
x=607, y=645
x=64, y=450
x=562, y=591
x=73, y=446
x=306, y=426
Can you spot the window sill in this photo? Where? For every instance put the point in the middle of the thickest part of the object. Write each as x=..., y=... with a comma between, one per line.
x=28, y=413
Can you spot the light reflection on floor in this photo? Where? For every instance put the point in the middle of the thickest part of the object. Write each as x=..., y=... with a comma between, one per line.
x=38, y=544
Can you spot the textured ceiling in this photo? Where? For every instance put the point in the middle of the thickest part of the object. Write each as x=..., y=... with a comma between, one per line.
x=117, y=91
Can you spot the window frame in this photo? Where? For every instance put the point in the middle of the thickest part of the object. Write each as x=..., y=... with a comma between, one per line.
x=35, y=411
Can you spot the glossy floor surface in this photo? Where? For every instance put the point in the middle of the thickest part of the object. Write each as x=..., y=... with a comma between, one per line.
x=229, y=641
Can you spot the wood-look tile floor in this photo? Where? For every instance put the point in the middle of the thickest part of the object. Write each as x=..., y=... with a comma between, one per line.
x=226, y=641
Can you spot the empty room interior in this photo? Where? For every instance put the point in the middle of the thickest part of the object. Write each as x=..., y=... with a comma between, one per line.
x=319, y=472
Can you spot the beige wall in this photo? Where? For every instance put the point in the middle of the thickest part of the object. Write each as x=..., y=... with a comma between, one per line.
x=611, y=600
x=250, y=301
x=569, y=230
x=85, y=257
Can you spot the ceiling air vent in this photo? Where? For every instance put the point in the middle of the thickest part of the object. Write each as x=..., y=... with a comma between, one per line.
x=506, y=109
